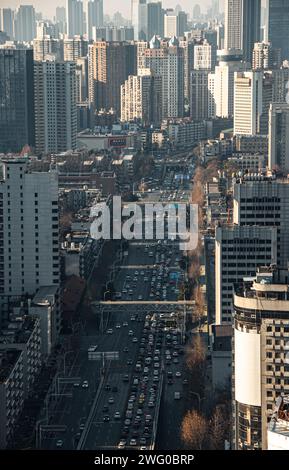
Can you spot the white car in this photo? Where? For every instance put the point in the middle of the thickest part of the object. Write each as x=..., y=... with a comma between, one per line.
x=85, y=384
x=59, y=443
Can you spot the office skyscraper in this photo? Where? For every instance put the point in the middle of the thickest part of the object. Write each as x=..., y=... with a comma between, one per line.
x=55, y=106
x=170, y=24
x=279, y=137
x=74, y=18
x=16, y=98
x=242, y=25
x=94, y=16
x=155, y=20
x=278, y=26
x=7, y=22
x=139, y=19
x=25, y=23
x=248, y=105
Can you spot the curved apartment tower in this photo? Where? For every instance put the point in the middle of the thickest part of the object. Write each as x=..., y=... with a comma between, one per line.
x=261, y=354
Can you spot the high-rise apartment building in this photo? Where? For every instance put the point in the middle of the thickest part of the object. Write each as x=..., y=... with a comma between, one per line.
x=110, y=64
x=74, y=48
x=55, y=106
x=265, y=57
x=188, y=47
x=242, y=25
x=25, y=23
x=260, y=358
x=199, y=106
x=167, y=60
x=205, y=56
x=94, y=16
x=29, y=229
x=141, y=98
x=279, y=137
x=278, y=17
x=16, y=98
x=248, y=105
x=7, y=21
x=155, y=20
x=46, y=47
x=139, y=19
x=75, y=23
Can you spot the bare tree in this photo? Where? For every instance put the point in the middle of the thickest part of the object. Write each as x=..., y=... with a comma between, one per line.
x=219, y=425
x=194, y=430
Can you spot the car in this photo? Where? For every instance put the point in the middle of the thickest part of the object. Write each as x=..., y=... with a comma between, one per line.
x=130, y=333
x=59, y=443
x=111, y=400
x=85, y=384
x=132, y=442
x=82, y=426
x=122, y=443
x=140, y=297
x=76, y=384
x=143, y=441
x=105, y=409
x=117, y=415
x=178, y=374
x=108, y=387
x=118, y=326
x=185, y=382
x=135, y=340
x=125, y=323
x=175, y=361
x=109, y=331
x=125, y=350
x=125, y=378
x=127, y=422
x=129, y=362
x=106, y=419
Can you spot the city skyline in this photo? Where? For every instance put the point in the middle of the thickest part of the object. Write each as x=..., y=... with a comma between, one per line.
x=109, y=5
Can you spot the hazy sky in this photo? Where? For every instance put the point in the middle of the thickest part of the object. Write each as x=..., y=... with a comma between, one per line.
x=110, y=6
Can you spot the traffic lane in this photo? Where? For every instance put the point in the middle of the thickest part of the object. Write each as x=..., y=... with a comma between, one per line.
x=90, y=371
x=106, y=434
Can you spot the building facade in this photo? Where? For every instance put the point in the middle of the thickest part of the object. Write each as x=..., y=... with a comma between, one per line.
x=55, y=106
x=16, y=98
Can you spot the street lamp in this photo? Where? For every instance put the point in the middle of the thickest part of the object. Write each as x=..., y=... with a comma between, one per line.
x=199, y=398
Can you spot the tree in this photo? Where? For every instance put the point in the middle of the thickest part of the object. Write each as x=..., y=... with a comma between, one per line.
x=194, y=430
x=219, y=425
